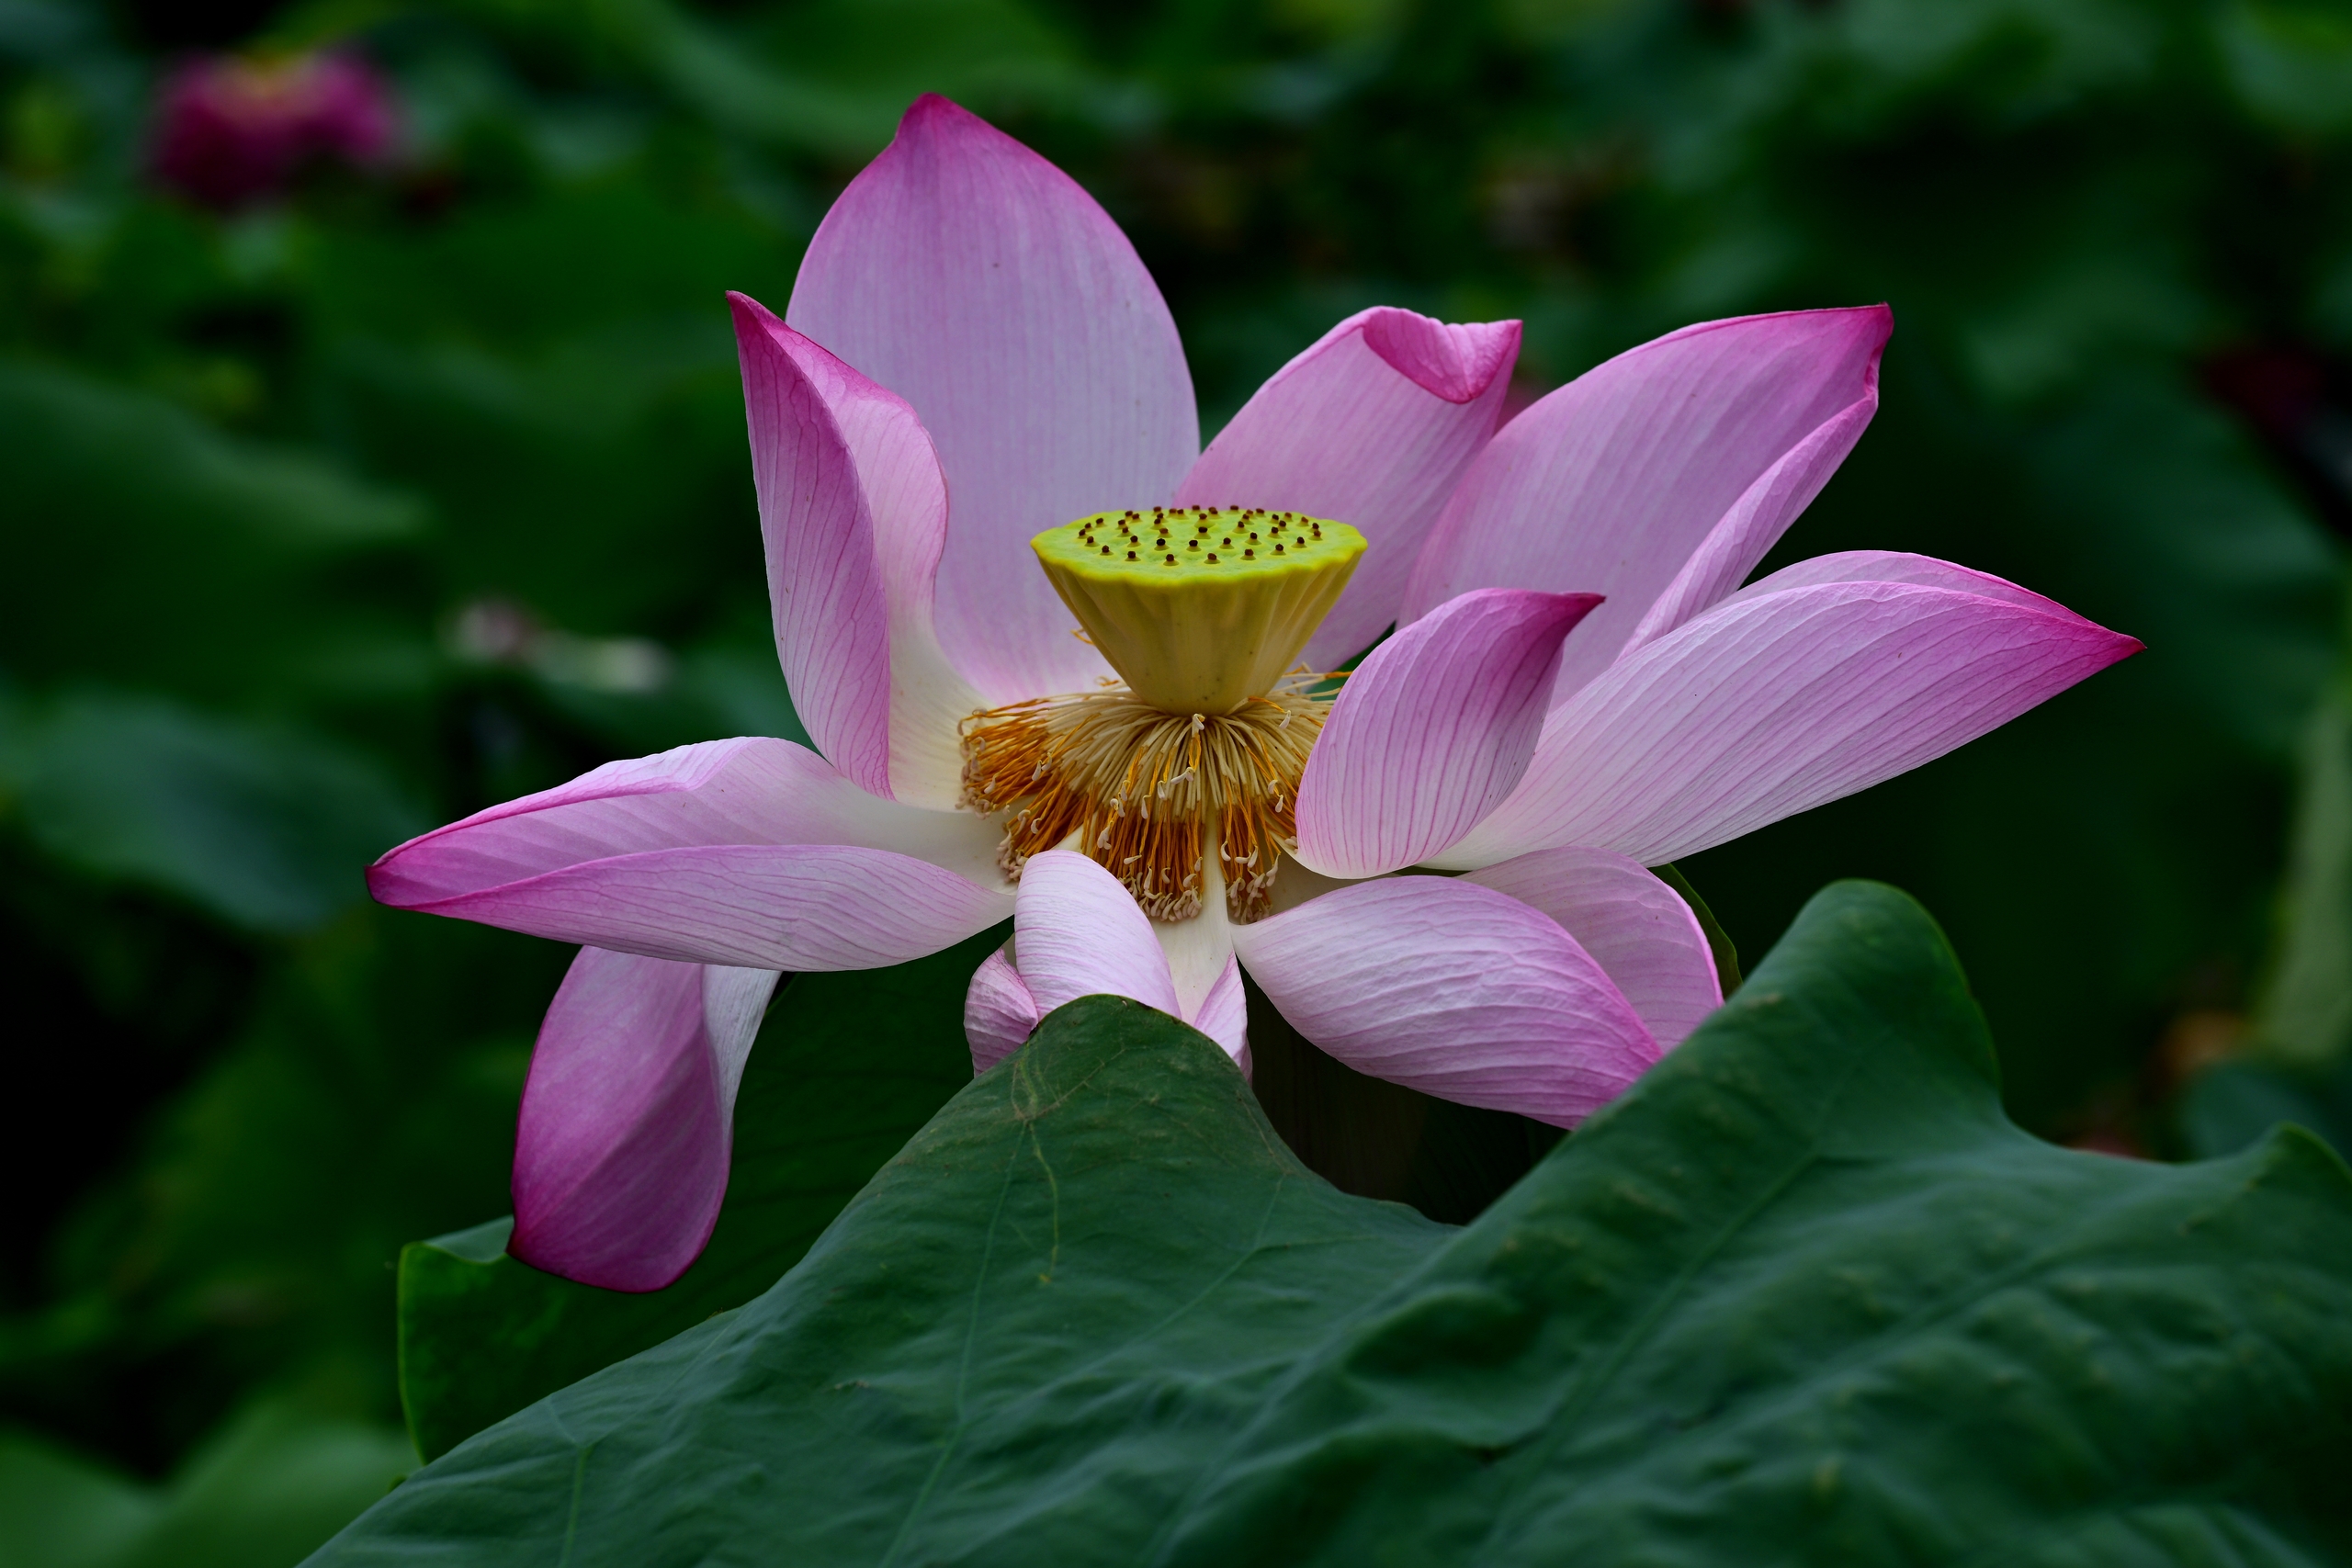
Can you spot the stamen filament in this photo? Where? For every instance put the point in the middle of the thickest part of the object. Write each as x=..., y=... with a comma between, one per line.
x=1146, y=792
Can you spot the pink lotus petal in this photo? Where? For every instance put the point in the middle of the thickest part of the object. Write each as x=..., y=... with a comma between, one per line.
x=1432, y=731
x=1609, y=485
x=1373, y=425
x=832, y=628
x=1754, y=523
x=1199, y=949
x=999, y=1013
x=747, y=791
x=853, y=568
x=620, y=1159
x=1898, y=566
x=1224, y=1015
x=1453, y=990
x=1636, y=928
x=1770, y=705
x=1077, y=932
x=979, y=283
x=797, y=906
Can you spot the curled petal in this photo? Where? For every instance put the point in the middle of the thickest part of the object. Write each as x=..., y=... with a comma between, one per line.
x=1432, y=731
x=1373, y=425
x=1636, y=928
x=854, y=513
x=797, y=906
x=999, y=1013
x=620, y=1158
x=980, y=284
x=832, y=630
x=1609, y=484
x=1773, y=703
x=747, y=791
x=1077, y=932
x=1453, y=990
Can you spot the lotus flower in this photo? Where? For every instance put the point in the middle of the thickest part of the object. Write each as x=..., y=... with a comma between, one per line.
x=231, y=130
x=973, y=353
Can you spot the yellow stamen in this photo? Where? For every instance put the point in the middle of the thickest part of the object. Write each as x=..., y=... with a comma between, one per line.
x=1145, y=792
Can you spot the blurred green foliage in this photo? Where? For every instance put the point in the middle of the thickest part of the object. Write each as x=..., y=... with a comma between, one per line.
x=266, y=1489
x=422, y=487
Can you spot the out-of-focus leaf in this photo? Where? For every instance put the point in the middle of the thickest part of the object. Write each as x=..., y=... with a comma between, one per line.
x=580, y=427
x=270, y=828
x=146, y=546
x=621, y=266
x=834, y=76
x=2304, y=1014
x=710, y=691
x=261, y=1494
x=1802, y=1295
x=2232, y=1105
x=744, y=692
x=367, y=1095
x=57, y=1511
x=2297, y=1067
x=2290, y=60
x=2199, y=552
x=2068, y=313
x=847, y=1067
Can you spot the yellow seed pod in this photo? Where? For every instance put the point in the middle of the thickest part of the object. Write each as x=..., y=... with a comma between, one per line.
x=1199, y=609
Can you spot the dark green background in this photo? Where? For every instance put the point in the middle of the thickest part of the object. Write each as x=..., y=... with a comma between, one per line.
x=258, y=466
